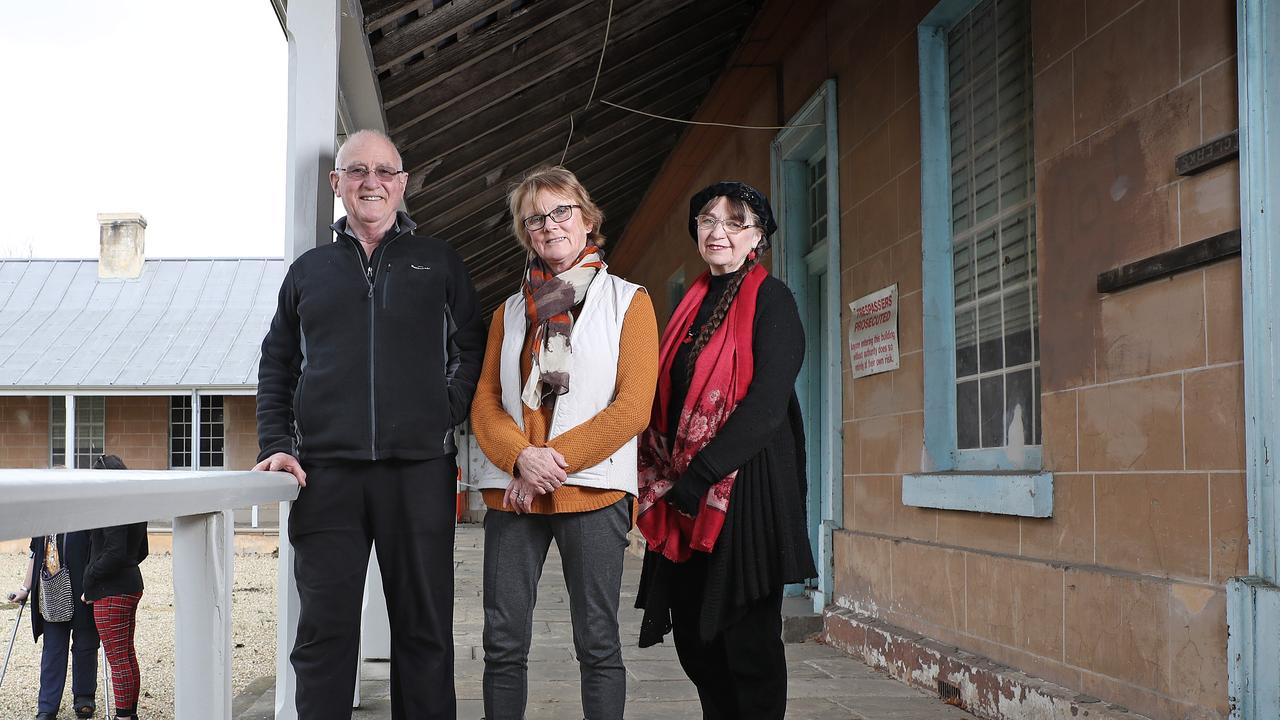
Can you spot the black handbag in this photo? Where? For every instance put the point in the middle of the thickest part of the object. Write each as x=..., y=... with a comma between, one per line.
x=57, y=603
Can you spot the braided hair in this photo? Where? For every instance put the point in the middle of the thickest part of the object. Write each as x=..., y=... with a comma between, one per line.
x=740, y=212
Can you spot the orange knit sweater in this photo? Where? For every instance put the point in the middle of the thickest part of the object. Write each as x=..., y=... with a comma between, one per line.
x=585, y=445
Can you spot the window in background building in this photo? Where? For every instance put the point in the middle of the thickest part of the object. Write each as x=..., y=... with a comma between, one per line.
x=91, y=430
x=212, y=432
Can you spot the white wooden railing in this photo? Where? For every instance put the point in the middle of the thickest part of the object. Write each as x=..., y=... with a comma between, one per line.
x=39, y=502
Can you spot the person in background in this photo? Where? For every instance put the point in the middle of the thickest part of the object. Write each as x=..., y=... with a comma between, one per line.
x=566, y=386
x=78, y=635
x=722, y=466
x=113, y=586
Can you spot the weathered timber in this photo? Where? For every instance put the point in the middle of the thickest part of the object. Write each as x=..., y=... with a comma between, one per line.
x=495, y=151
x=532, y=114
x=380, y=13
x=477, y=93
x=1170, y=262
x=457, y=207
x=533, y=18
x=423, y=34
x=505, y=163
x=673, y=37
x=1211, y=154
x=573, y=36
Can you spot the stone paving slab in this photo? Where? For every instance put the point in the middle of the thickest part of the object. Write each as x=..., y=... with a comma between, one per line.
x=823, y=683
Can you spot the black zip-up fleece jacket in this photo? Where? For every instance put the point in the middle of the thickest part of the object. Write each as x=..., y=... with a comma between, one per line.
x=370, y=359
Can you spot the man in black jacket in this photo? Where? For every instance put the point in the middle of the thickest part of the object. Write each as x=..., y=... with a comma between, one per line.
x=371, y=359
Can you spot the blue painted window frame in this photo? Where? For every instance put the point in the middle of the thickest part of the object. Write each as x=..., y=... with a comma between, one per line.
x=987, y=473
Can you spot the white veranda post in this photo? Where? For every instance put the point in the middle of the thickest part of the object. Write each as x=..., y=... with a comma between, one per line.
x=312, y=32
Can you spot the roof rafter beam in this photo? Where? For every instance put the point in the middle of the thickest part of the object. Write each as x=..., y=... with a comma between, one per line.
x=424, y=33
x=574, y=38
x=658, y=91
x=480, y=208
x=481, y=113
x=605, y=133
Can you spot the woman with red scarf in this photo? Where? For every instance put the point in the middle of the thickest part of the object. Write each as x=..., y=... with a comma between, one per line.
x=722, y=483
x=566, y=387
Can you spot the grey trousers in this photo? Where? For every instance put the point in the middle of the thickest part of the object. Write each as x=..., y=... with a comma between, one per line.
x=591, y=545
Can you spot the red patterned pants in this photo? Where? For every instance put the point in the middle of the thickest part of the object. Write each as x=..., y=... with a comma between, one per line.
x=116, y=617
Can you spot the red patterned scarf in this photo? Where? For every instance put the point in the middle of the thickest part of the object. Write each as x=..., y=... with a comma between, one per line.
x=721, y=376
x=548, y=298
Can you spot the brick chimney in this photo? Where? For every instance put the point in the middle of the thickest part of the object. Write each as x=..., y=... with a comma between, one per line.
x=120, y=245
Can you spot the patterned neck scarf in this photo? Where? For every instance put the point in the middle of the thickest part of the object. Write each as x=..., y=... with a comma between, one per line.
x=548, y=299
x=721, y=376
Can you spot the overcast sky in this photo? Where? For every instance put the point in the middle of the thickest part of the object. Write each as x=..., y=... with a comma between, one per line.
x=168, y=108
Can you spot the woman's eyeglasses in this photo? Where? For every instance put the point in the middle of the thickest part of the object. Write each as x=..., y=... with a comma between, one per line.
x=707, y=223
x=559, y=213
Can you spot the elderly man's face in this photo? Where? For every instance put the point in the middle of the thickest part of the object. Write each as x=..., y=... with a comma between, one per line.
x=371, y=201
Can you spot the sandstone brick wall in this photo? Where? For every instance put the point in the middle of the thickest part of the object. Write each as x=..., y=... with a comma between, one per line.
x=138, y=431
x=1120, y=594
x=24, y=432
x=241, y=430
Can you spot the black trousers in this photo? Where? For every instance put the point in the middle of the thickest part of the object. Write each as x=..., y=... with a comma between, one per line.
x=742, y=673
x=407, y=508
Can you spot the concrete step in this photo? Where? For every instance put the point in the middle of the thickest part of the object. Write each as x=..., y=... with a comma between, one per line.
x=799, y=621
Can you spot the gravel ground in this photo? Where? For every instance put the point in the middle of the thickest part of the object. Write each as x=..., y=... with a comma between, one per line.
x=253, y=630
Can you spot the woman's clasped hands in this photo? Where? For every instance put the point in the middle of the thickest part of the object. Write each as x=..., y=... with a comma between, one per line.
x=539, y=471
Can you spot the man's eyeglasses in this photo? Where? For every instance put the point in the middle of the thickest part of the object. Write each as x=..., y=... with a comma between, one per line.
x=559, y=213
x=360, y=172
x=708, y=223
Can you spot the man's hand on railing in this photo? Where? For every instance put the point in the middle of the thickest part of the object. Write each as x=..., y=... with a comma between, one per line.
x=284, y=462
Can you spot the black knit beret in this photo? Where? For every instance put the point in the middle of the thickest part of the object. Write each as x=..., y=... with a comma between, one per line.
x=754, y=199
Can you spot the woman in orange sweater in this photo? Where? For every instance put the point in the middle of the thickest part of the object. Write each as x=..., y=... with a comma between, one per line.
x=567, y=385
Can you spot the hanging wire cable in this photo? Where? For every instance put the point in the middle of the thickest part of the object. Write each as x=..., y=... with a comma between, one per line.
x=713, y=124
x=599, y=66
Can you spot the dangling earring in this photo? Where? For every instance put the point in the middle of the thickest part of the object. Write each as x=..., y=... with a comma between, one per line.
x=751, y=255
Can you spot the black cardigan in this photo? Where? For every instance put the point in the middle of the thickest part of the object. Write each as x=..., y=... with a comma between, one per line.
x=74, y=550
x=765, y=542
x=114, y=555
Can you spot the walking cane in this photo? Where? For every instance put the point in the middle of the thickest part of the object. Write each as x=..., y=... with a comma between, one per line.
x=4, y=671
x=106, y=688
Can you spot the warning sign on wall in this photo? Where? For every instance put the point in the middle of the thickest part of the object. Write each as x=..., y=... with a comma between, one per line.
x=873, y=332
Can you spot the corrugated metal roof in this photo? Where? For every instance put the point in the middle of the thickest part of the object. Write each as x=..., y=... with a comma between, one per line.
x=185, y=323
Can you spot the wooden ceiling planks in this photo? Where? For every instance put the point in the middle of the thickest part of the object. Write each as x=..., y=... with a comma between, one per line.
x=478, y=92
x=422, y=35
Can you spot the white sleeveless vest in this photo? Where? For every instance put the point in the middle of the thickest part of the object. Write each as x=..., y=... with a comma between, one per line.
x=594, y=338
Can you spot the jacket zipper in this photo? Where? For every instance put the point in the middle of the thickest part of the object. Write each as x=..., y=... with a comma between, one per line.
x=370, y=277
x=373, y=408
x=373, y=405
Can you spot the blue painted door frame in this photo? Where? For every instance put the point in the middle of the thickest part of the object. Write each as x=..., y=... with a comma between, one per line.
x=1253, y=602
x=820, y=385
